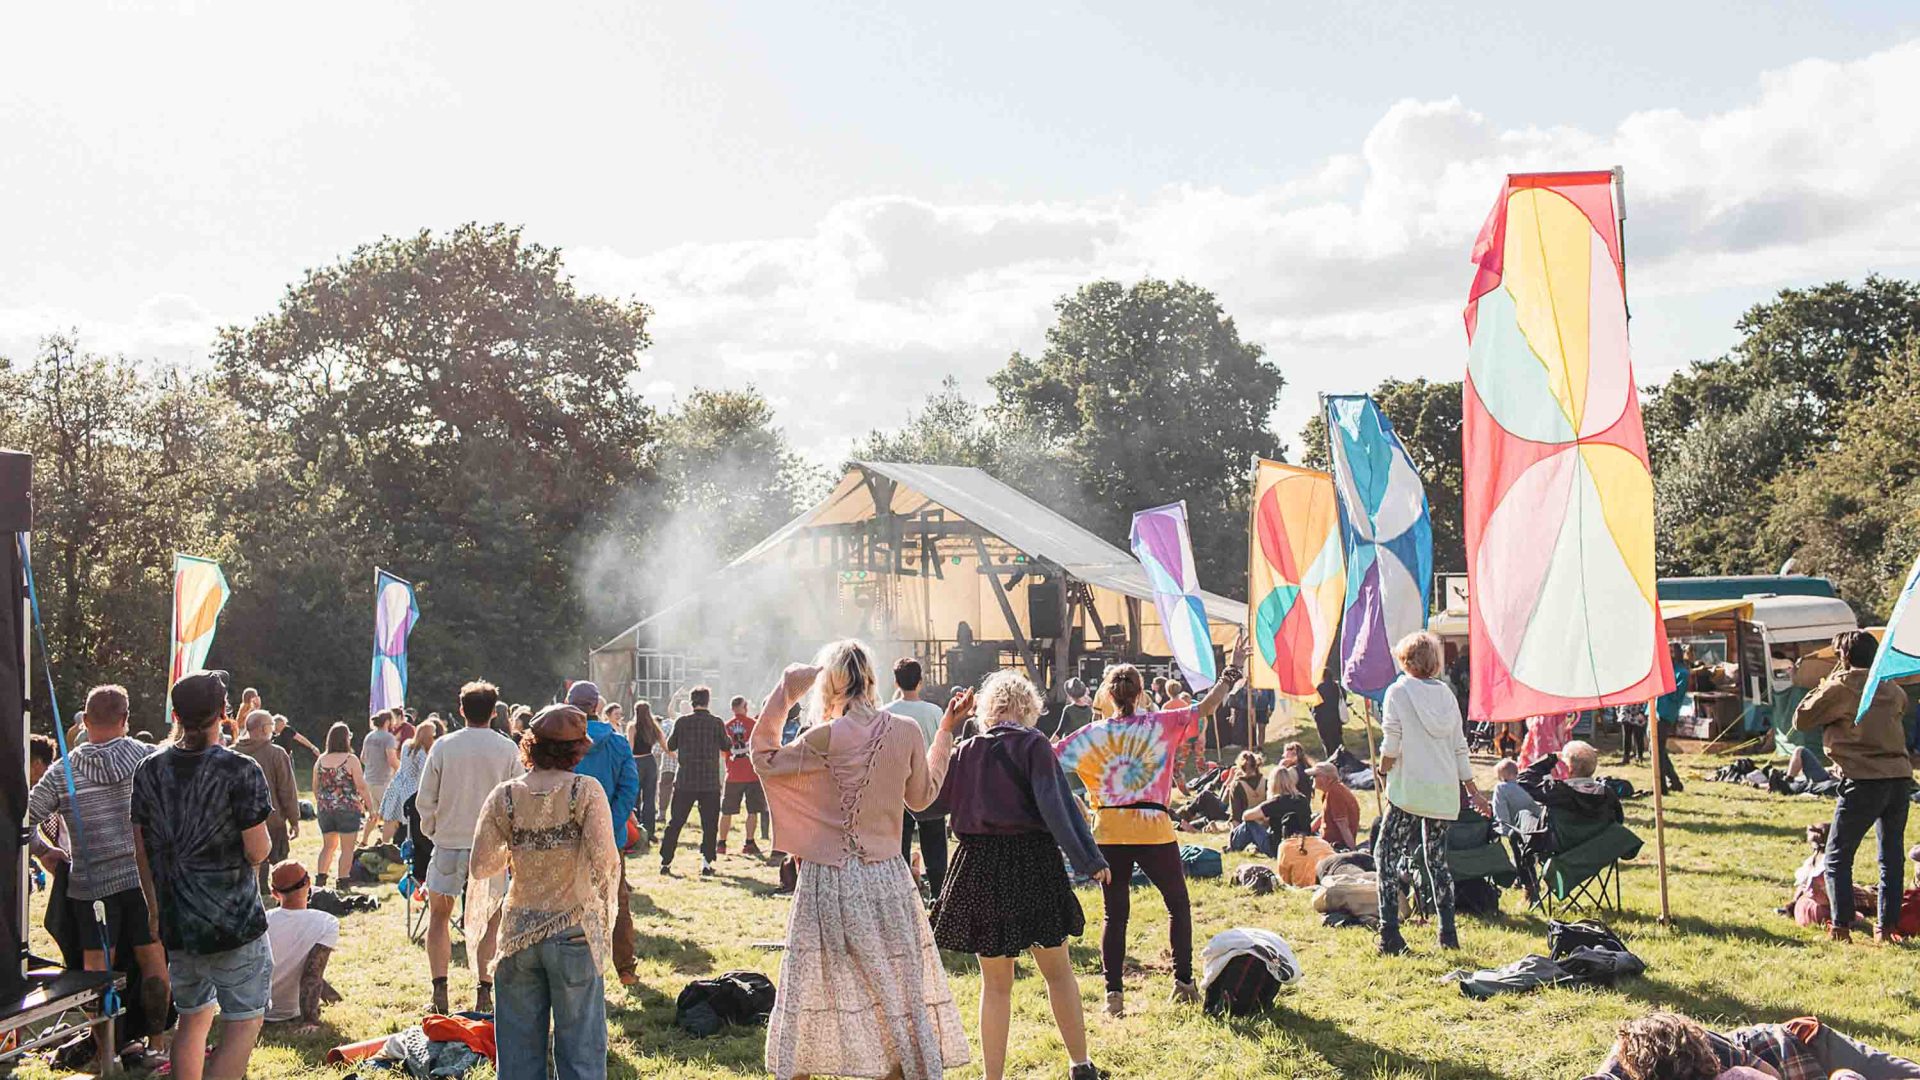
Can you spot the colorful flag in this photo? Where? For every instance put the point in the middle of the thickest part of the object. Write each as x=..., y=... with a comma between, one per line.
x=1299, y=579
x=1559, y=497
x=199, y=593
x=1899, y=654
x=1388, y=539
x=1165, y=551
x=394, y=613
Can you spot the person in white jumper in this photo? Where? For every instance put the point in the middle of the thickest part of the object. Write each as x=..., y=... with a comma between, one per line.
x=1424, y=757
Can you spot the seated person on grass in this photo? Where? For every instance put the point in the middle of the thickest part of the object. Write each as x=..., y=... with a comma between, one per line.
x=302, y=940
x=1285, y=813
x=1668, y=1046
x=1338, y=822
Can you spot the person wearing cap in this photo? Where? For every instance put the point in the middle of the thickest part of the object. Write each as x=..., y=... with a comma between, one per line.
x=303, y=940
x=548, y=835
x=1078, y=712
x=200, y=827
x=460, y=770
x=610, y=761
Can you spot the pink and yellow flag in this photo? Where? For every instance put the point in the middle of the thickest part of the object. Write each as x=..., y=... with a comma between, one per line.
x=199, y=593
x=1559, y=496
x=1298, y=578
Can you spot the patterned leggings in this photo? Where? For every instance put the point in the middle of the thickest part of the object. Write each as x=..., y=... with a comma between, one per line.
x=1406, y=842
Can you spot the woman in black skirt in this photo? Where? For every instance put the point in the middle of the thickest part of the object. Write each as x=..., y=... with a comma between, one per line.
x=1007, y=891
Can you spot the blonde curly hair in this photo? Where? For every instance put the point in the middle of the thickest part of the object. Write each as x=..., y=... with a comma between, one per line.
x=1007, y=697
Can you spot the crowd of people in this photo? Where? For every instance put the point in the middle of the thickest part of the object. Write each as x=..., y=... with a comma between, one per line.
x=860, y=786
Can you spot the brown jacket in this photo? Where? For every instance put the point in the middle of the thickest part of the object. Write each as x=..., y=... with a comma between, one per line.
x=281, y=791
x=1873, y=749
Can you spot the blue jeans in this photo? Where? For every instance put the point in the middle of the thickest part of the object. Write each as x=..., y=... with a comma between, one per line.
x=648, y=805
x=1880, y=805
x=1255, y=835
x=551, y=995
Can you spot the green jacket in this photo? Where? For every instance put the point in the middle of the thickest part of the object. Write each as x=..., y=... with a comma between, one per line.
x=1873, y=749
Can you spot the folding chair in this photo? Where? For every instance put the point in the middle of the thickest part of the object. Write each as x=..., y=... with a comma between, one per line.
x=1473, y=852
x=413, y=887
x=1580, y=870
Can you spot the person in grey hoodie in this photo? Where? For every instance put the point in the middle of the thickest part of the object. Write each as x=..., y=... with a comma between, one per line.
x=98, y=824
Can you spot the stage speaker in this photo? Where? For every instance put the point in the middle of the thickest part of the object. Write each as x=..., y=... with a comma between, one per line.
x=16, y=517
x=1045, y=614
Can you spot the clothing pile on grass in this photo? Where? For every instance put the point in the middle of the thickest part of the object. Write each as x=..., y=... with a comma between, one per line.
x=736, y=998
x=380, y=864
x=1584, y=953
x=1243, y=970
x=1748, y=772
x=439, y=1046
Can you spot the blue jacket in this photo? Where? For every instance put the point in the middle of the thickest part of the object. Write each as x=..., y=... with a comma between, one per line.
x=611, y=762
x=1667, y=706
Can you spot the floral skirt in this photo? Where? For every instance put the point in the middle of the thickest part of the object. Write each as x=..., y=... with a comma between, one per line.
x=861, y=984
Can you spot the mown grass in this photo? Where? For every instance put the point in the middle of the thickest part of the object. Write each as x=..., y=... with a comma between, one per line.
x=1728, y=958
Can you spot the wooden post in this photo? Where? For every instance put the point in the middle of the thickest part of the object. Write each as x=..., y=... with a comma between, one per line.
x=1006, y=609
x=1660, y=817
x=1379, y=780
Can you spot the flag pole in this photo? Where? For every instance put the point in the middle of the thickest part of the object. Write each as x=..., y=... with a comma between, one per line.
x=1659, y=740
x=1379, y=780
x=1256, y=732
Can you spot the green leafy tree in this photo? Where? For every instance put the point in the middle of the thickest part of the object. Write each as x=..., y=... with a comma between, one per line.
x=1819, y=347
x=449, y=407
x=1426, y=417
x=1853, y=513
x=1148, y=395
x=950, y=428
x=130, y=466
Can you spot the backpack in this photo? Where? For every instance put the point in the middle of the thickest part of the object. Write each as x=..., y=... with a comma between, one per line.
x=1243, y=988
x=1621, y=787
x=1258, y=879
x=1564, y=937
x=736, y=997
x=1200, y=862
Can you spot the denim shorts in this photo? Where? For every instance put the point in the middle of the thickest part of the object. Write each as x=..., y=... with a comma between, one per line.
x=240, y=980
x=447, y=872
x=341, y=821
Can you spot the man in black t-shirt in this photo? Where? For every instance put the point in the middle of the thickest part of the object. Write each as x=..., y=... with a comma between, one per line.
x=200, y=828
x=700, y=740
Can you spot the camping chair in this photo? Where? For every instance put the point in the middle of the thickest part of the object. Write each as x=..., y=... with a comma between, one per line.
x=1578, y=861
x=413, y=887
x=1473, y=852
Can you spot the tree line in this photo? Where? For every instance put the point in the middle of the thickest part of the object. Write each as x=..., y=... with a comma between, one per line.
x=451, y=407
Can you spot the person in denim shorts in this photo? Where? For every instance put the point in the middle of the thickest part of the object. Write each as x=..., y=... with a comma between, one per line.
x=200, y=828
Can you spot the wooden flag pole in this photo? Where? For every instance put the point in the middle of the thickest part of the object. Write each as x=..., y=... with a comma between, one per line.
x=1379, y=780
x=1660, y=818
x=1257, y=741
x=1653, y=717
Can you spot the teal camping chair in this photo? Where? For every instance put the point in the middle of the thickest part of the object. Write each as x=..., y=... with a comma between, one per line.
x=1581, y=868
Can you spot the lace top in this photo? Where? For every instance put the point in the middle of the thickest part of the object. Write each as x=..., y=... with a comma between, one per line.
x=565, y=870
x=838, y=792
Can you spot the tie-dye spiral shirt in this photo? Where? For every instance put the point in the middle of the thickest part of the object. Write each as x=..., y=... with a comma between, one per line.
x=1128, y=760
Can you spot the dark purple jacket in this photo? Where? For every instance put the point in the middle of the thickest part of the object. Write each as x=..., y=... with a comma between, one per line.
x=1006, y=781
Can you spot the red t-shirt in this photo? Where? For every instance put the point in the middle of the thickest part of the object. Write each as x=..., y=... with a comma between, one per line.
x=1340, y=806
x=739, y=765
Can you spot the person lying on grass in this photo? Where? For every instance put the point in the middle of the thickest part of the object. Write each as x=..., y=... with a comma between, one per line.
x=1669, y=1046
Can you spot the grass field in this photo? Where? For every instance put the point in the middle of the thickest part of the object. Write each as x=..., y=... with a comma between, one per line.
x=1727, y=958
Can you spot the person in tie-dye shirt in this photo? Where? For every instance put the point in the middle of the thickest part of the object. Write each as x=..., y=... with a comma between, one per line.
x=1127, y=764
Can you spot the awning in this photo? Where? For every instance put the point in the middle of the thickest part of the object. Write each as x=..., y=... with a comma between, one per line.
x=1695, y=610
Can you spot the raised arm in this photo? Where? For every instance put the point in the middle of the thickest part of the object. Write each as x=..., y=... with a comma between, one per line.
x=770, y=759
x=929, y=770
x=1217, y=693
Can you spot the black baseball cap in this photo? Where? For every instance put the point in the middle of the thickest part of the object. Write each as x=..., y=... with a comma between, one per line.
x=200, y=697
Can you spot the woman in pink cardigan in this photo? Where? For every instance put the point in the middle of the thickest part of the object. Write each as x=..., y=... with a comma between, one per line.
x=862, y=991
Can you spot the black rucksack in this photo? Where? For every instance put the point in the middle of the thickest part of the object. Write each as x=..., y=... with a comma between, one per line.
x=1564, y=937
x=1244, y=988
x=737, y=997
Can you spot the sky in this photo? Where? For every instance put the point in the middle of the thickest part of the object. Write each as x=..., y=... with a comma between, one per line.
x=842, y=204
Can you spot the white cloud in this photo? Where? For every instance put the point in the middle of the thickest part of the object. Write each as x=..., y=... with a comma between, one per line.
x=1352, y=273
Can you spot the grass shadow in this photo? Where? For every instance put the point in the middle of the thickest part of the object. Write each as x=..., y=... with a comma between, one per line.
x=683, y=955
x=1347, y=1051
